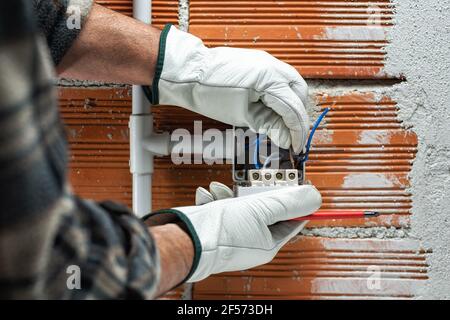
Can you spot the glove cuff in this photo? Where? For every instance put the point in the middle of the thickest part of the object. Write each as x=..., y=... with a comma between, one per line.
x=165, y=216
x=152, y=93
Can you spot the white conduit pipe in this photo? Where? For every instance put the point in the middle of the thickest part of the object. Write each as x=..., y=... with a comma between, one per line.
x=141, y=126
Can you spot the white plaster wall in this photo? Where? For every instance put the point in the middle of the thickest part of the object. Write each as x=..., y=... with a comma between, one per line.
x=420, y=51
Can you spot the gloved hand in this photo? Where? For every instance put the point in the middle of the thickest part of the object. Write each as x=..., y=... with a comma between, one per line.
x=240, y=87
x=233, y=234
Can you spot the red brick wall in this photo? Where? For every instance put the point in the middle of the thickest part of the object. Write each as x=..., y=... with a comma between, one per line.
x=360, y=160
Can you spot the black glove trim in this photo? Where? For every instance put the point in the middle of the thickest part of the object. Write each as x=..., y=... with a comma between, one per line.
x=152, y=93
x=189, y=228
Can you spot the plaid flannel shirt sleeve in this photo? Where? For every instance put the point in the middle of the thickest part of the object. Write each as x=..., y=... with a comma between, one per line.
x=52, y=244
x=60, y=21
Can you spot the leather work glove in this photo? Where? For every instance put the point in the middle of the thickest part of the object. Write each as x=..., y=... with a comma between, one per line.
x=240, y=87
x=231, y=234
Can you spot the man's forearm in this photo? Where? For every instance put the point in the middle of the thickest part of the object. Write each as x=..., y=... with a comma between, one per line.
x=176, y=253
x=112, y=48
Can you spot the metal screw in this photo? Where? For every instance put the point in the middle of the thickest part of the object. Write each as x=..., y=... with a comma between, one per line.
x=255, y=176
x=239, y=174
x=292, y=176
x=279, y=176
x=268, y=176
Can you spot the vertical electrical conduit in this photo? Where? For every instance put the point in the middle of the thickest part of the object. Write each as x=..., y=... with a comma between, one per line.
x=141, y=126
x=144, y=143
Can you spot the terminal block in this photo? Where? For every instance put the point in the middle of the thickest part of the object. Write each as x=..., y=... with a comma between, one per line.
x=273, y=177
x=261, y=180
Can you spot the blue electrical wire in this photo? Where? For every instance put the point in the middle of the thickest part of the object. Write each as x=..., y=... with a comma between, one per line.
x=311, y=135
x=308, y=143
x=256, y=153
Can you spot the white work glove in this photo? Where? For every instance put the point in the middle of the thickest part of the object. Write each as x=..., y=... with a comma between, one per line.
x=232, y=234
x=240, y=87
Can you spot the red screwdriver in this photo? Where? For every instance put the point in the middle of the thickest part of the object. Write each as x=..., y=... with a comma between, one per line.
x=338, y=214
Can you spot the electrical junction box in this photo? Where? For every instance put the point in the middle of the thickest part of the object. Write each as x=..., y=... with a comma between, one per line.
x=260, y=166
